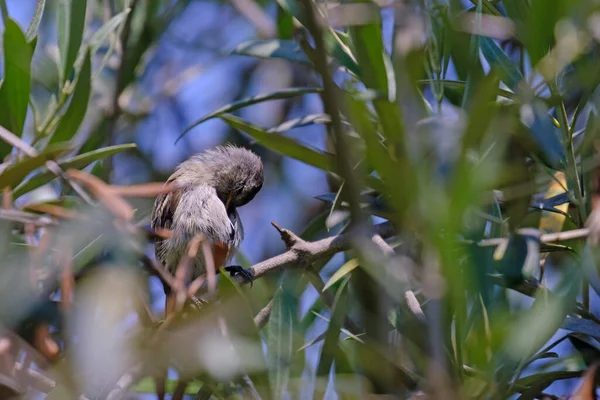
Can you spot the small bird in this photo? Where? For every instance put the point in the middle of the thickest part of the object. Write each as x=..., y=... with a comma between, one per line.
x=210, y=186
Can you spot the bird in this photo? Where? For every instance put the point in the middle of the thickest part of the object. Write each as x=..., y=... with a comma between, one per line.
x=209, y=188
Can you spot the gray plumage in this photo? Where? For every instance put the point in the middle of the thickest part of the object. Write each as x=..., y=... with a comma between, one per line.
x=211, y=185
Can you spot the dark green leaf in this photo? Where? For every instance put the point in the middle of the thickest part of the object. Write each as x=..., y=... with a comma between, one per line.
x=73, y=117
x=580, y=325
x=14, y=92
x=77, y=162
x=272, y=48
x=546, y=134
x=505, y=67
x=71, y=24
x=587, y=348
x=285, y=24
x=283, y=144
x=282, y=94
x=446, y=83
x=14, y=174
x=475, y=70
x=547, y=377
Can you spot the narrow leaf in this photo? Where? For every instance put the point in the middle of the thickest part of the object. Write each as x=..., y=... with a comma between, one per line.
x=77, y=162
x=341, y=272
x=14, y=174
x=282, y=94
x=331, y=348
x=280, y=343
x=273, y=48
x=71, y=23
x=506, y=68
x=14, y=92
x=283, y=145
x=299, y=122
x=35, y=20
x=73, y=117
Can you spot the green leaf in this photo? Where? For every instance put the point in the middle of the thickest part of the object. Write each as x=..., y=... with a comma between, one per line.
x=331, y=349
x=281, y=340
x=535, y=326
x=580, y=325
x=341, y=272
x=99, y=37
x=35, y=20
x=333, y=40
x=370, y=55
x=272, y=48
x=285, y=24
x=447, y=83
x=546, y=377
x=77, y=162
x=475, y=70
x=540, y=33
x=545, y=134
x=282, y=94
x=73, y=117
x=101, y=34
x=71, y=23
x=14, y=92
x=507, y=70
x=283, y=145
x=14, y=174
x=148, y=385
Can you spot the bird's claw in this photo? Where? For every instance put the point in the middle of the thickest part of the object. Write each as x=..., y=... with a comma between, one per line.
x=246, y=274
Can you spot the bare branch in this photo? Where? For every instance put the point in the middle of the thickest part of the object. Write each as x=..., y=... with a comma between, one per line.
x=302, y=251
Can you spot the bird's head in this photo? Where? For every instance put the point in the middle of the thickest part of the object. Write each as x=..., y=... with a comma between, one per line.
x=235, y=173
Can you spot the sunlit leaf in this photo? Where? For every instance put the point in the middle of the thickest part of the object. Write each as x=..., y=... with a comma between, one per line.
x=341, y=272
x=553, y=221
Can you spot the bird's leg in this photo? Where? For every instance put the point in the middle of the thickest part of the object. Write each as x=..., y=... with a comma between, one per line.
x=237, y=270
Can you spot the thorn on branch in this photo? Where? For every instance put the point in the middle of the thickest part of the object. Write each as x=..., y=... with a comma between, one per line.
x=289, y=238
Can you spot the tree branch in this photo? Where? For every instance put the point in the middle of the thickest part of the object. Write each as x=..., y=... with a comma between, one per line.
x=303, y=252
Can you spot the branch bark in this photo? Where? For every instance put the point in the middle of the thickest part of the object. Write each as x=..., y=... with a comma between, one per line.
x=303, y=252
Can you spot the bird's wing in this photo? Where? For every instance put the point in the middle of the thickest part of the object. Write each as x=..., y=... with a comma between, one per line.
x=162, y=217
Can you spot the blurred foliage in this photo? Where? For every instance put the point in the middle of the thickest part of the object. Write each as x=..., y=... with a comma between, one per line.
x=471, y=131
